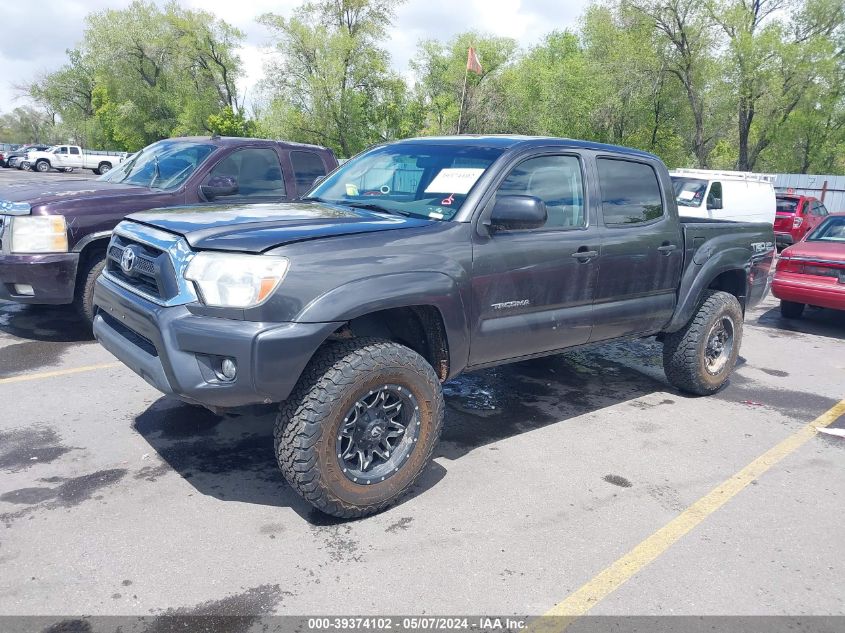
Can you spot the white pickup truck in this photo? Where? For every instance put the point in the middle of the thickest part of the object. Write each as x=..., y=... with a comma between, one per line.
x=70, y=157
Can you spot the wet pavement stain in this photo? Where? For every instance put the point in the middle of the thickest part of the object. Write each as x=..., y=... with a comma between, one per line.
x=152, y=473
x=339, y=543
x=23, y=448
x=233, y=614
x=775, y=372
x=617, y=480
x=494, y=404
x=70, y=493
x=667, y=497
x=49, y=324
x=402, y=524
x=23, y=357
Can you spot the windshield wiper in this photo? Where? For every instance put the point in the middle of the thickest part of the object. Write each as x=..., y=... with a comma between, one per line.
x=370, y=206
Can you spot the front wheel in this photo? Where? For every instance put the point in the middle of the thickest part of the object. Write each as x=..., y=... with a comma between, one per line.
x=42, y=166
x=700, y=357
x=86, y=278
x=360, y=426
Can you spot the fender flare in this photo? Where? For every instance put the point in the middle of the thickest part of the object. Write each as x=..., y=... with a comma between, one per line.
x=698, y=277
x=399, y=290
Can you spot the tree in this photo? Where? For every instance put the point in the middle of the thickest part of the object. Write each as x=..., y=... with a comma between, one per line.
x=230, y=123
x=773, y=63
x=331, y=82
x=685, y=28
x=144, y=73
x=26, y=124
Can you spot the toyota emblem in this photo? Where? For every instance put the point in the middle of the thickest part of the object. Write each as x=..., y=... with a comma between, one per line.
x=127, y=260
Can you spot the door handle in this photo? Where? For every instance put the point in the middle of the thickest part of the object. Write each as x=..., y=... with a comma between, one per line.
x=667, y=249
x=585, y=255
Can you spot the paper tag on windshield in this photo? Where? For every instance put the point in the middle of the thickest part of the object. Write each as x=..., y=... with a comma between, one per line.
x=686, y=195
x=454, y=180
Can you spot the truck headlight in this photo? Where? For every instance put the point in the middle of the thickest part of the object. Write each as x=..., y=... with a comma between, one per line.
x=38, y=234
x=231, y=280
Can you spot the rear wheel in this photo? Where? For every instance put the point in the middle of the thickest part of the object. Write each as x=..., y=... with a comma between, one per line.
x=83, y=300
x=360, y=426
x=103, y=168
x=791, y=310
x=700, y=357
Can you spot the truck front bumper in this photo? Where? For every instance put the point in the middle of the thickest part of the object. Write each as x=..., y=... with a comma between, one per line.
x=181, y=354
x=51, y=277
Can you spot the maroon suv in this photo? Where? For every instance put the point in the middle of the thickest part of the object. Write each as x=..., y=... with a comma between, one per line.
x=796, y=215
x=53, y=236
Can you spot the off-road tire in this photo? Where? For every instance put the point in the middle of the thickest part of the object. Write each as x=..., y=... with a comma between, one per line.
x=791, y=310
x=684, y=350
x=307, y=423
x=83, y=300
x=42, y=166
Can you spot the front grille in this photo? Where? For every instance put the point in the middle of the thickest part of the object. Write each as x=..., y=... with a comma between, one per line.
x=129, y=334
x=151, y=273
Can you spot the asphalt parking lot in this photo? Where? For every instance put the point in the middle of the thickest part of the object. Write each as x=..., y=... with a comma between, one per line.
x=10, y=176
x=117, y=501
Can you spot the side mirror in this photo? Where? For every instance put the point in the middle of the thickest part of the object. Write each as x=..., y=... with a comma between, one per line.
x=714, y=203
x=518, y=212
x=219, y=186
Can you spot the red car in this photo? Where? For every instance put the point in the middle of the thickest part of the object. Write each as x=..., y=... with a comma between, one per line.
x=796, y=216
x=812, y=272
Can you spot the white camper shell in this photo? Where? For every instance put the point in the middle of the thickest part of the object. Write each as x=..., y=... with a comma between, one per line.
x=725, y=195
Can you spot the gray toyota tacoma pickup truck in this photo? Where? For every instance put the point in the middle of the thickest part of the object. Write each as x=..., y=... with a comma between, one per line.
x=411, y=263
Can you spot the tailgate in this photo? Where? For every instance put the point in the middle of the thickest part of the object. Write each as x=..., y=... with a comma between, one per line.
x=783, y=222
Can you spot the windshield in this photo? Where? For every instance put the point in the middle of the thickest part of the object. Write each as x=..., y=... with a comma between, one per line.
x=689, y=192
x=421, y=180
x=787, y=205
x=831, y=230
x=163, y=165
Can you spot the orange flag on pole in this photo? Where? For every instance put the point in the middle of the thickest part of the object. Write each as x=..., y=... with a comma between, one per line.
x=473, y=65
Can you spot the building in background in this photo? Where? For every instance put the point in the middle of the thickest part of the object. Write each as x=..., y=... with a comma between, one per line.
x=829, y=189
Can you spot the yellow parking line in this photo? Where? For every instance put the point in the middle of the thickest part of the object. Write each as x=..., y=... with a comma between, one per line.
x=607, y=581
x=58, y=372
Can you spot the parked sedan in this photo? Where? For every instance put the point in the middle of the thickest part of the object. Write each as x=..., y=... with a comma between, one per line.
x=812, y=272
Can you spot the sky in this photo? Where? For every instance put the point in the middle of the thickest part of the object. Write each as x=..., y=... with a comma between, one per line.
x=34, y=36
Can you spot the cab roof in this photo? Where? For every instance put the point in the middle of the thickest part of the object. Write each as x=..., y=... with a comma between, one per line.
x=226, y=141
x=515, y=141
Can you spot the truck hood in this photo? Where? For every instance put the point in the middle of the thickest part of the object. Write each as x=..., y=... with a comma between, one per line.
x=38, y=192
x=258, y=228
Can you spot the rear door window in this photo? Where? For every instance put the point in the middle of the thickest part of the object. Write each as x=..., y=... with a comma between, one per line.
x=74, y=150
x=787, y=205
x=307, y=167
x=630, y=193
